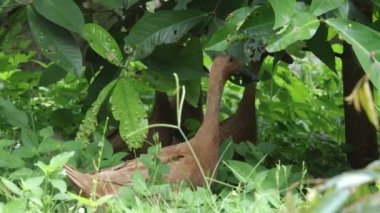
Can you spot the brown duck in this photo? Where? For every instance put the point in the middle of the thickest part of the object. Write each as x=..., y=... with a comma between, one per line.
x=180, y=158
x=242, y=125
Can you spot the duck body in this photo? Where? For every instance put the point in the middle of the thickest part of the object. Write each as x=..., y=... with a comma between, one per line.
x=182, y=159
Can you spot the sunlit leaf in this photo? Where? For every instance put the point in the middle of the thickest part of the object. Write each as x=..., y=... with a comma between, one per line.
x=103, y=43
x=283, y=11
x=365, y=43
x=303, y=26
x=319, y=7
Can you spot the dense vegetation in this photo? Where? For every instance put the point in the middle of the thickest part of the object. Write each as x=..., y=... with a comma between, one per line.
x=71, y=72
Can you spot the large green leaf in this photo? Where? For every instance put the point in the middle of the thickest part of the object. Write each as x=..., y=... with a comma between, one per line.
x=56, y=43
x=259, y=24
x=51, y=75
x=222, y=37
x=321, y=48
x=102, y=43
x=160, y=28
x=318, y=7
x=303, y=26
x=365, y=43
x=12, y=115
x=283, y=11
x=65, y=13
x=186, y=61
x=127, y=108
x=193, y=91
x=115, y=4
x=157, y=81
x=88, y=125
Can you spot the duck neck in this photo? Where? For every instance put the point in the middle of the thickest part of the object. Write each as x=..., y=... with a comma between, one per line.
x=247, y=102
x=209, y=130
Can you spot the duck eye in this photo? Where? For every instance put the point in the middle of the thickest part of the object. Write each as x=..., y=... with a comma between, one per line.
x=231, y=59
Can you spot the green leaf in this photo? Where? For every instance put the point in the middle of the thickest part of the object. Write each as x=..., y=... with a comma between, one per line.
x=56, y=43
x=157, y=81
x=220, y=39
x=283, y=11
x=193, y=91
x=33, y=182
x=318, y=7
x=21, y=173
x=241, y=170
x=25, y=152
x=139, y=184
x=89, y=123
x=29, y=138
x=64, y=13
x=12, y=115
x=49, y=145
x=58, y=161
x=73, y=145
x=186, y=61
x=163, y=27
x=52, y=75
x=321, y=48
x=103, y=43
x=59, y=184
x=16, y=206
x=116, y=4
x=6, y=143
x=259, y=24
x=127, y=108
x=303, y=26
x=365, y=43
x=11, y=186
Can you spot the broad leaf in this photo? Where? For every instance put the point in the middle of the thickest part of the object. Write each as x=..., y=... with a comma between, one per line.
x=283, y=11
x=89, y=123
x=6, y=143
x=158, y=28
x=222, y=37
x=303, y=26
x=60, y=160
x=321, y=48
x=186, y=61
x=56, y=43
x=365, y=43
x=259, y=25
x=12, y=115
x=64, y=13
x=318, y=7
x=115, y=4
x=11, y=186
x=127, y=108
x=193, y=91
x=157, y=81
x=103, y=43
x=51, y=75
